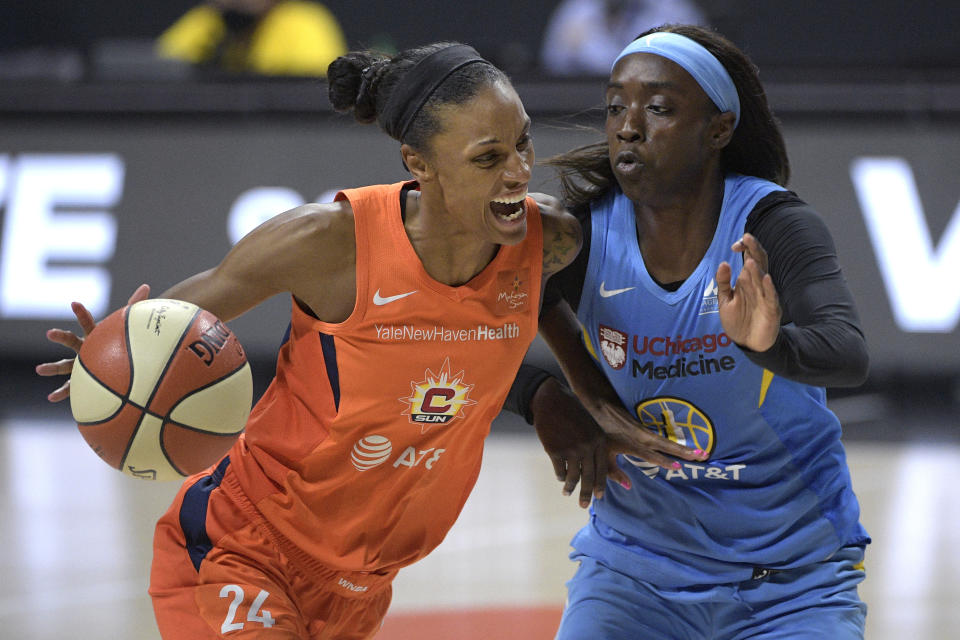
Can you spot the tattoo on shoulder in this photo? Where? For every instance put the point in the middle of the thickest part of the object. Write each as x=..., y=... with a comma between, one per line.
x=558, y=251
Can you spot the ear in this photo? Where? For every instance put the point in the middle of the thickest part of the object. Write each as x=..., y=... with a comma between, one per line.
x=721, y=129
x=417, y=164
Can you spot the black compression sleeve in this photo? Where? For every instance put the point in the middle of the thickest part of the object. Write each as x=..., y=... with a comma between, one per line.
x=820, y=342
x=525, y=385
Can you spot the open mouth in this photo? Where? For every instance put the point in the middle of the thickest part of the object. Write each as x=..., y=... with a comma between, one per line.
x=509, y=209
x=627, y=162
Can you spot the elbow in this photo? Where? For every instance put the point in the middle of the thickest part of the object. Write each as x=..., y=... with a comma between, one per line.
x=856, y=366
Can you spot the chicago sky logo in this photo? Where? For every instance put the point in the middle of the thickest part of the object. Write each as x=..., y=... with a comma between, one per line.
x=684, y=423
x=678, y=420
x=438, y=398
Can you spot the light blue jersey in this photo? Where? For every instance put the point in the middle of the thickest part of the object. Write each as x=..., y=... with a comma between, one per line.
x=775, y=491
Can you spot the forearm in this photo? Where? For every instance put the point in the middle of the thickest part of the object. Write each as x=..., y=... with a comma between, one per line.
x=828, y=355
x=821, y=342
x=561, y=332
x=220, y=293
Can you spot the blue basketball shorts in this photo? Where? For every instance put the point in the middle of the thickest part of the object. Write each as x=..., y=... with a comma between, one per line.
x=815, y=601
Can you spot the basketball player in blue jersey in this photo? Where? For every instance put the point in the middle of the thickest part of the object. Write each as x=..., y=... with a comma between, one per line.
x=708, y=308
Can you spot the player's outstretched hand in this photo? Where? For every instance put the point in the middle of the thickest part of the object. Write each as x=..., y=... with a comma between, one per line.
x=72, y=341
x=750, y=311
x=576, y=445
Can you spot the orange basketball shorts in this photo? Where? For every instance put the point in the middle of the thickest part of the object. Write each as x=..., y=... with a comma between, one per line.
x=217, y=574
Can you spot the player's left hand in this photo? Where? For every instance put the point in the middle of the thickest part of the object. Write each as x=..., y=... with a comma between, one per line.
x=749, y=311
x=577, y=446
x=73, y=341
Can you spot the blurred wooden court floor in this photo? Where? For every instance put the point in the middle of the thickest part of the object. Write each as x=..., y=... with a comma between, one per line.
x=75, y=543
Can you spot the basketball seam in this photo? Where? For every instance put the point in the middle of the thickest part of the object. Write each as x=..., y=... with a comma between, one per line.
x=159, y=382
x=165, y=420
x=124, y=399
x=189, y=428
x=209, y=384
x=130, y=368
x=170, y=358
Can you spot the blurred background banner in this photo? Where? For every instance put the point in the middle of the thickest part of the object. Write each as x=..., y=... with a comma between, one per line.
x=120, y=162
x=92, y=206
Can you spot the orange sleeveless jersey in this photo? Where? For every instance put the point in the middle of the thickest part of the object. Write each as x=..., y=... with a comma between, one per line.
x=365, y=447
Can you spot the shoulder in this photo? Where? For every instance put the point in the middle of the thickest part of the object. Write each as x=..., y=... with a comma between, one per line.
x=311, y=218
x=311, y=232
x=782, y=214
x=779, y=200
x=309, y=251
x=562, y=233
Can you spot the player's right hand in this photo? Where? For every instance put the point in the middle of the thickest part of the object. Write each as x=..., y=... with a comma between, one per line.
x=628, y=436
x=72, y=341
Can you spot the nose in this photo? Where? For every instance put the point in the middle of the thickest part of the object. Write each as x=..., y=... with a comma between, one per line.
x=631, y=127
x=517, y=170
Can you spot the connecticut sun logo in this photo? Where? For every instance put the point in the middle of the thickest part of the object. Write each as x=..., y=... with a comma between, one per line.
x=679, y=421
x=438, y=398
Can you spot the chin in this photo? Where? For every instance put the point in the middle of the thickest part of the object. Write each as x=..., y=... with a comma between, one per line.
x=507, y=233
x=634, y=190
x=515, y=236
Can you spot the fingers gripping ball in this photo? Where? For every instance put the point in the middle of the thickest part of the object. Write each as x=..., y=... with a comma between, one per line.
x=161, y=389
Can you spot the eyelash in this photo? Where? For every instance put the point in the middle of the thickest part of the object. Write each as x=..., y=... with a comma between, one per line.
x=616, y=109
x=490, y=160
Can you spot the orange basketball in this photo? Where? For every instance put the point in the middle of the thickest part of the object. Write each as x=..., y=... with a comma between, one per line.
x=161, y=389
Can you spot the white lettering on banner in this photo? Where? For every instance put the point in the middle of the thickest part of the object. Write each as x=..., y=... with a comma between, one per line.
x=38, y=230
x=922, y=282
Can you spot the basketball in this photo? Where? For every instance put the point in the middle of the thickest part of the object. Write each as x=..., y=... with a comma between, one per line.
x=161, y=389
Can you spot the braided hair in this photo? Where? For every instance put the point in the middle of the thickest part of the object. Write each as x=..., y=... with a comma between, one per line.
x=361, y=82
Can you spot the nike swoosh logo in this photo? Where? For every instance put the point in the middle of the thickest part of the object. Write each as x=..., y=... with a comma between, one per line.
x=380, y=300
x=606, y=293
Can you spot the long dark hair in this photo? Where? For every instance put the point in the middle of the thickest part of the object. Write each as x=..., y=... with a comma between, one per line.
x=360, y=82
x=756, y=149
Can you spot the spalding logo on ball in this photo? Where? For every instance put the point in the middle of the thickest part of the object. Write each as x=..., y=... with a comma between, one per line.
x=161, y=389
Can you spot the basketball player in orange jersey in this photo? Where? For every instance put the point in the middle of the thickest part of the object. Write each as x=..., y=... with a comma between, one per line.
x=413, y=306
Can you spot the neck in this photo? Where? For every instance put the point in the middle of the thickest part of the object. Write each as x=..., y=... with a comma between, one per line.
x=674, y=236
x=450, y=254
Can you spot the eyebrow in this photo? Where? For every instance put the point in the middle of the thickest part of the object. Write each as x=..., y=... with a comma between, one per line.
x=526, y=128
